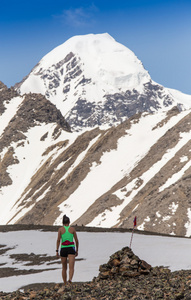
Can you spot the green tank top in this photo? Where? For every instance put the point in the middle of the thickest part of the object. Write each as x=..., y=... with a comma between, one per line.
x=67, y=238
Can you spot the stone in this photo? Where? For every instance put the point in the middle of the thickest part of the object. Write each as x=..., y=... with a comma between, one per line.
x=134, y=262
x=105, y=274
x=125, y=260
x=115, y=262
x=144, y=265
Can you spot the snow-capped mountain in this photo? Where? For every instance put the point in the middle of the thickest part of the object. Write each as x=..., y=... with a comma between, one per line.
x=94, y=80
x=99, y=175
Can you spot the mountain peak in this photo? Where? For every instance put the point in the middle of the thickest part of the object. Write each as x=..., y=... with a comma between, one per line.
x=102, y=58
x=94, y=80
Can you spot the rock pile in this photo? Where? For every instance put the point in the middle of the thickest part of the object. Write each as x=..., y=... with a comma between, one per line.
x=124, y=264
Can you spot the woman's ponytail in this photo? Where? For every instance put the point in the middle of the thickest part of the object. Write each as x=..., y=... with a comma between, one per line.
x=65, y=220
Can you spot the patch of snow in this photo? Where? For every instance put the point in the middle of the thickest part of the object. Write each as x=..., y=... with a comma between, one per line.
x=173, y=207
x=181, y=98
x=60, y=165
x=79, y=158
x=183, y=158
x=43, y=195
x=176, y=176
x=135, y=207
x=11, y=109
x=166, y=218
x=188, y=223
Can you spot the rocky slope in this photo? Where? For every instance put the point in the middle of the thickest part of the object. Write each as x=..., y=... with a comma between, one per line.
x=100, y=177
x=26, y=122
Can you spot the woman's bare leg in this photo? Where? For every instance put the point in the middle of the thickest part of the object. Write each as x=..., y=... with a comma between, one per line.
x=71, y=258
x=64, y=269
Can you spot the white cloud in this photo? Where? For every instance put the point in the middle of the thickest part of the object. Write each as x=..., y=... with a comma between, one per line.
x=80, y=16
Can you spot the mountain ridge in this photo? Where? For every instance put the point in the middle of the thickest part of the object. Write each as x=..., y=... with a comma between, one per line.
x=99, y=155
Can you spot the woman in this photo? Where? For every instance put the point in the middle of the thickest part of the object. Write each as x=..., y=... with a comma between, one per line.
x=65, y=236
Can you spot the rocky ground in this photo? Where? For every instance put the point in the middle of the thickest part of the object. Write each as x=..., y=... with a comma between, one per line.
x=124, y=276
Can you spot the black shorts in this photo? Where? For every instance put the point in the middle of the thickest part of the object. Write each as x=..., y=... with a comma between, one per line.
x=68, y=250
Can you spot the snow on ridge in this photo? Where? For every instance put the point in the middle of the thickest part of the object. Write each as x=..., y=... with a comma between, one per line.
x=87, y=47
x=142, y=226
x=188, y=223
x=185, y=137
x=89, y=68
x=181, y=98
x=22, y=172
x=172, y=180
x=110, y=217
x=183, y=158
x=107, y=62
x=80, y=157
x=11, y=109
x=114, y=160
x=173, y=207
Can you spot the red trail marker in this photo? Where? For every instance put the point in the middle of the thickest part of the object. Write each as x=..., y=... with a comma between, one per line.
x=134, y=225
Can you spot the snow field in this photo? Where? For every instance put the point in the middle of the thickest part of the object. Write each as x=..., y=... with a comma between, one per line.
x=95, y=249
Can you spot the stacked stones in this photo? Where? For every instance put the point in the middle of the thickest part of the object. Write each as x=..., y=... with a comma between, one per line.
x=123, y=263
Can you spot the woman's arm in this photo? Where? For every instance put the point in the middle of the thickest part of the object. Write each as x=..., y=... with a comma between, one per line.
x=58, y=242
x=76, y=242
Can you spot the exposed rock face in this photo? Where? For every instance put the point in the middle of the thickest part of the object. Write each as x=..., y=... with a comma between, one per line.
x=118, y=107
x=6, y=94
x=35, y=109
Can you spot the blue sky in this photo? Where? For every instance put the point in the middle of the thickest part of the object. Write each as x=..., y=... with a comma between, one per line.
x=158, y=32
